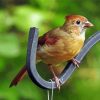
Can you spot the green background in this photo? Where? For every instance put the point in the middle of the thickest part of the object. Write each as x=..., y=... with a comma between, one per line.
x=16, y=17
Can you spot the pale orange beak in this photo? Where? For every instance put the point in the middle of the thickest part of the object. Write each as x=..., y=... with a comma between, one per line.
x=88, y=24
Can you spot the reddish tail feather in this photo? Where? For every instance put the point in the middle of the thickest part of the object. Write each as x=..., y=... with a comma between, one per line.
x=18, y=77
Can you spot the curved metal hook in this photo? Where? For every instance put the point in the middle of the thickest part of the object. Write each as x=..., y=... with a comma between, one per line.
x=31, y=59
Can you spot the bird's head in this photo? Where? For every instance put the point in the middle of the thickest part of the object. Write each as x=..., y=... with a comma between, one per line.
x=77, y=23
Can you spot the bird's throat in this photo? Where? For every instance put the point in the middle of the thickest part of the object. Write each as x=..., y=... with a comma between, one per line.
x=83, y=34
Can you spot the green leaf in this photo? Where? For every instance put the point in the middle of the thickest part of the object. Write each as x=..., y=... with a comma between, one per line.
x=5, y=21
x=26, y=17
x=9, y=45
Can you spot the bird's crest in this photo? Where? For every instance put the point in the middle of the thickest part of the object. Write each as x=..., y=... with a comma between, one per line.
x=72, y=17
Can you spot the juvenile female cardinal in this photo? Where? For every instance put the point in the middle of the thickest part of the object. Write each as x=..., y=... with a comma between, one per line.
x=60, y=45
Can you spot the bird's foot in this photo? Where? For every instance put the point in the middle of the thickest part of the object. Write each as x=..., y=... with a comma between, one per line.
x=76, y=62
x=55, y=78
x=57, y=81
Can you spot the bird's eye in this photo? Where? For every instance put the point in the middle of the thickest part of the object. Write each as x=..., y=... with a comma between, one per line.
x=78, y=22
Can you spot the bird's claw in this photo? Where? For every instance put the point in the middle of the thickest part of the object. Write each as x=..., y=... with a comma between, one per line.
x=58, y=82
x=76, y=62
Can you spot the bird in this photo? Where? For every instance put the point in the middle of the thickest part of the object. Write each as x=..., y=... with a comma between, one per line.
x=59, y=45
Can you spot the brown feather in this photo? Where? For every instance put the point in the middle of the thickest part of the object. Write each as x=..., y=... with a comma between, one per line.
x=18, y=77
x=46, y=39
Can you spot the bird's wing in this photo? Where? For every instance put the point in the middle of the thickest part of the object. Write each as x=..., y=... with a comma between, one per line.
x=42, y=40
x=47, y=39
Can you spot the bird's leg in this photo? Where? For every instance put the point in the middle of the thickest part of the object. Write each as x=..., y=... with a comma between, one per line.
x=56, y=79
x=76, y=62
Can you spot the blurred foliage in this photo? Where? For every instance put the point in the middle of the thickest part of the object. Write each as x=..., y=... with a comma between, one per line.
x=16, y=17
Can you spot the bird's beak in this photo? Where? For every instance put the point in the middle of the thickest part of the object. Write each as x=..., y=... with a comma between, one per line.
x=88, y=24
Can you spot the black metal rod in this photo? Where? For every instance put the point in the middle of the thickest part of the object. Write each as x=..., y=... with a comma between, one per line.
x=69, y=69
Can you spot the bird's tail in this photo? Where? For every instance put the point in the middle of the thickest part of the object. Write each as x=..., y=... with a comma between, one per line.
x=19, y=76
